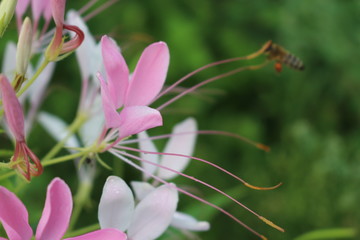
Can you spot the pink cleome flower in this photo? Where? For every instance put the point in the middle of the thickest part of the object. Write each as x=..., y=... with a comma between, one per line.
x=54, y=220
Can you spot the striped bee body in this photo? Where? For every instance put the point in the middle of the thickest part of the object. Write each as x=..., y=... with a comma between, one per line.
x=282, y=56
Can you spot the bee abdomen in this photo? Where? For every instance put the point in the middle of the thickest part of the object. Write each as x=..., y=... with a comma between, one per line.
x=293, y=62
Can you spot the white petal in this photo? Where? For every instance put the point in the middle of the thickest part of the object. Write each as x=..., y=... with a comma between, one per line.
x=57, y=128
x=141, y=189
x=91, y=129
x=86, y=171
x=88, y=54
x=147, y=145
x=116, y=206
x=154, y=213
x=181, y=144
x=187, y=222
x=37, y=89
x=9, y=61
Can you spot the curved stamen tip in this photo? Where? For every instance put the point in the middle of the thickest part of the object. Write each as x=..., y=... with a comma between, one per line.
x=266, y=46
x=263, y=147
x=262, y=188
x=263, y=237
x=271, y=224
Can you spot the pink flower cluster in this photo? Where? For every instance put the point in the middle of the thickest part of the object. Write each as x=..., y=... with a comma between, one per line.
x=115, y=105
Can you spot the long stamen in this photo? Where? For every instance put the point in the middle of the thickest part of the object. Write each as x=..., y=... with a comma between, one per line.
x=99, y=10
x=87, y=6
x=204, y=161
x=43, y=30
x=248, y=57
x=207, y=185
x=252, y=67
x=197, y=86
x=118, y=154
x=205, y=132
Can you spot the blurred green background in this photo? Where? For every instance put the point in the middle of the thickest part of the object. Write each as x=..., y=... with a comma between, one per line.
x=309, y=118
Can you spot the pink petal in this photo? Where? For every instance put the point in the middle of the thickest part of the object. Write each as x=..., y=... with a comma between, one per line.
x=14, y=216
x=149, y=75
x=137, y=119
x=116, y=206
x=58, y=11
x=47, y=10
x=21, y=7
x=57, y=211
x=181, y=144
x=103, y=234
x=112, y=118
x=116, y=70
x=37, y=7
x=13, y=111
x=154, y=213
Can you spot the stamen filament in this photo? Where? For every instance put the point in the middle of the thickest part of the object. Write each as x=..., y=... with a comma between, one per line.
x=194, y=179
x=248, y=57
x=205, y=132
x=204, y=161
x=252, y=67
x=99, y=10
x=118, y=154
x=87, y=6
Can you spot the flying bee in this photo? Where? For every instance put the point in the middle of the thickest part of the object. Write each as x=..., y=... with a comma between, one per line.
x=282, y=56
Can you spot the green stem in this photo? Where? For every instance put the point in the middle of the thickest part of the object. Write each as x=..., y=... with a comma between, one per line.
x=64, y=158
x=4, y=165
x=82, y=230
x=47, y=163
x=6, y=153
x=31, y=81
x=79, y=120
x=7, y=175
x=82, y=196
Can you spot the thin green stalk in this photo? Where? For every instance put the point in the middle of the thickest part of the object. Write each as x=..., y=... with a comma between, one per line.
x=79, y=120
x=4, y=165
x=31, y=81
x=80, y=199
x=64, y=158
x=47, y=163
x=7, y=175
x=6, y=153
x=82, y=230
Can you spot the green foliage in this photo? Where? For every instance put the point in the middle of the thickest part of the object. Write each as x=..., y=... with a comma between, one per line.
x=309, y=119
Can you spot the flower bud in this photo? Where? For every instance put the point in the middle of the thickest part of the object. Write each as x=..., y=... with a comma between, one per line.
x=58, y=48
x=24, y=160
x=7, y=9
x=24, y=47
x=13, y=111
x=23, y=53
